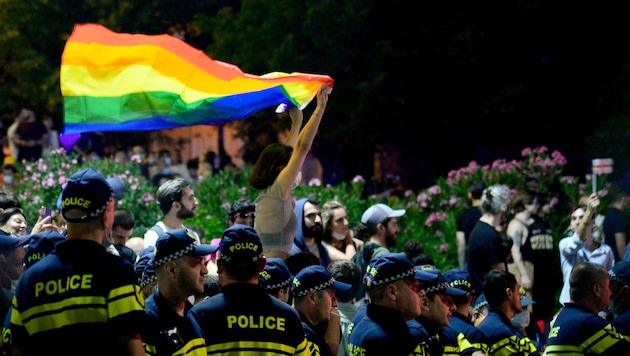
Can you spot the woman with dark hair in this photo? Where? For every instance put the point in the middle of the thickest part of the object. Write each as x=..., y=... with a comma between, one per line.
x=275, y=174
x=13, y=221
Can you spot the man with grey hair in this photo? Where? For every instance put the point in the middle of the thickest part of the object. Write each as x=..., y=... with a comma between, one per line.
x=486, y=250
x=177, y=200
x=578, y=329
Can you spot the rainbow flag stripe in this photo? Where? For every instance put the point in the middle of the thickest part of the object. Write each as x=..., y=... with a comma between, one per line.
x=122, y=82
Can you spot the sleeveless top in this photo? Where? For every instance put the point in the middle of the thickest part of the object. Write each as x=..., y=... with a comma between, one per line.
x=275, y=222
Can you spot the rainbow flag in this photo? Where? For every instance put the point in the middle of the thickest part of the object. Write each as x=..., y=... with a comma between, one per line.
x=123, y=82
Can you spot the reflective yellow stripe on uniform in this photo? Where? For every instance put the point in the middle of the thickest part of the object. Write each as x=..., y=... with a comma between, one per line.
x=257, y=348
x=125, y=299
x=511, y=345
x=596, y=344
x=65, y=312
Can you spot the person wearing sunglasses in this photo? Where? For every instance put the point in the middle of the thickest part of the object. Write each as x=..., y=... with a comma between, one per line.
x=242, y=212
x=503, y=294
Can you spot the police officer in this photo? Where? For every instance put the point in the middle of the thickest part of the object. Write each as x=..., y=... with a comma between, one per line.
x=80, y=299
x=314, y=299
x=243, y=318
x=503, y=294
x=578, y=329
x=393, y=289
x=180, y=270
x=276, y=278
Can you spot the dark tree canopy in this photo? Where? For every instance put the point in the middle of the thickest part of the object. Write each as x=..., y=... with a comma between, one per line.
x=446, y=83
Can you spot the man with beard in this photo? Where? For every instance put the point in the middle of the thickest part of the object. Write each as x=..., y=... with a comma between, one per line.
x=176, y=199
x=379, y=229
x=308, y=237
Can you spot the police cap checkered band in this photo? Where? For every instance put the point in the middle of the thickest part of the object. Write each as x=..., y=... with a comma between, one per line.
x=147, y=279
x=438, y=284
x=620, y=272
x=437, y=287
x=276, y=274
x=391, y=267
x=86, y=195
x=177, y=243
x=371, y=277
x=143, y=267
x=314, y=278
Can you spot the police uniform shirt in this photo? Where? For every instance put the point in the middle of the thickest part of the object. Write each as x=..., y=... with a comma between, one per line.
x=76, y=300
x=382, y=331
x=461, y=324
x=622, y=323
x=577, y=330
x=5, y=341
x=503, y=338
x=317, y=345
x=245, y=319
x=168, y=333
x=429, y=343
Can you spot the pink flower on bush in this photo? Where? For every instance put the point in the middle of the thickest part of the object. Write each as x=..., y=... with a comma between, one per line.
x=441, y=248
x=436, y=216
x=358, y=179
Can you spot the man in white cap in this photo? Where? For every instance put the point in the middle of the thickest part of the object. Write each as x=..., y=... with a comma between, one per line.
x=379, y=229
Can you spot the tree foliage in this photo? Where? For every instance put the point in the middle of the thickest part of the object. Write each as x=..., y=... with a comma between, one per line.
x=446, y=81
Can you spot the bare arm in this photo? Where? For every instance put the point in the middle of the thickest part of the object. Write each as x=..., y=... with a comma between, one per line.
x=303, y=146
x=296, y=123
x=130, y=345
x=518, y=232
x=461, y=248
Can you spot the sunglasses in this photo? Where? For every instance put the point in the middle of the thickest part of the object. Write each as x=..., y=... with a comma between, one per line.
x=244, y=215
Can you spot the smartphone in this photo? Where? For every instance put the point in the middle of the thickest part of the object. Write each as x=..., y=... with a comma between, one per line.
x=45, y=212
x=281, y=108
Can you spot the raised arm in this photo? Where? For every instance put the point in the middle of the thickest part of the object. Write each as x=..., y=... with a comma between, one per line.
x=296, y=123
x=304, y=141
x=585, y=226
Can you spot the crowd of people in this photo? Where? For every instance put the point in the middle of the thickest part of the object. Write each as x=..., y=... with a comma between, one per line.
x=290, y=276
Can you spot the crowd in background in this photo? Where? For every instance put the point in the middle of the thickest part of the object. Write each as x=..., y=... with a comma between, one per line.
x=290, y=275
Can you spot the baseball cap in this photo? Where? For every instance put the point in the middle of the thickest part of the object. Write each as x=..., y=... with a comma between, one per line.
x=620, y=272
x=314, y=278
x=9, y=243
x=240, y=244
x=177, y=243
x=86, y=195
x=377, y=213
x=143, y=267
x=439, y=284
x=275, y=275
x=460, y=279
x=390, y=267
x=40, y=245
x=116, y=183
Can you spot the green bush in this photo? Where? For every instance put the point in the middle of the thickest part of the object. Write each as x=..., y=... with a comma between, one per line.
x=430, y=217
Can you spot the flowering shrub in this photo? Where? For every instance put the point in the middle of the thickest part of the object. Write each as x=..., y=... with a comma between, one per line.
x=430, y=217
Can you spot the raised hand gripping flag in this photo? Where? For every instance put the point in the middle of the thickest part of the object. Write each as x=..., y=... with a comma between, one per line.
x=122, y=82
